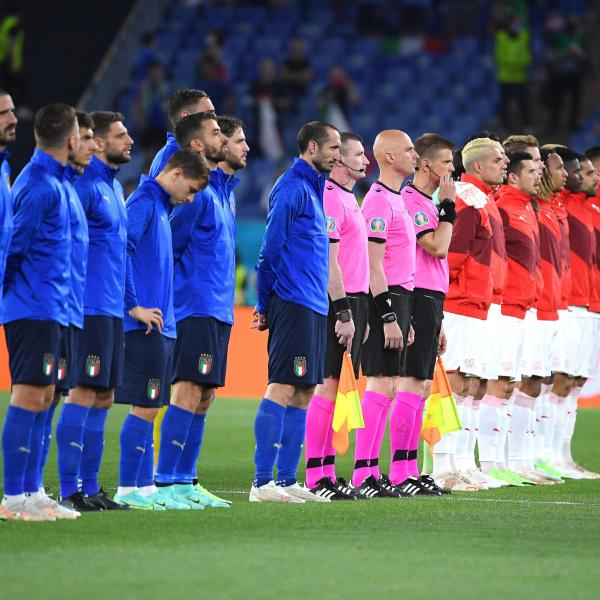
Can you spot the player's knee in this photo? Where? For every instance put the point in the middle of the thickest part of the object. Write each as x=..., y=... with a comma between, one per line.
x=328, y=389
x=30, y=397
x=187, y=395
x=104, y=399
x=387, y=386
x=147, y=414
x=412, y=385
x=281, y=393
x=302, y=396
x=472, y=386
x=82, y=395
x=208, y=397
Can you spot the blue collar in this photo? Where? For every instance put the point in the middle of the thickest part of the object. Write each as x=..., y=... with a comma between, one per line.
x=171, y=138
x=316, y=179
x=47, y=162
x=4, y=155
x=107, y=173
x=71, y=173
x=164, y=196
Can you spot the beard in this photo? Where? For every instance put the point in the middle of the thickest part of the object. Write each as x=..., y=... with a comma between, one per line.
x=323, y=166
x=215, y=154
x=117, y=158
x=8, y=136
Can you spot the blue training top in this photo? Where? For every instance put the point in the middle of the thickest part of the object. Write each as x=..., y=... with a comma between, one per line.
x=6, y=215
x=149, y=277
x=38, y=268
x=102, y=199
x=163, y=155
x=204, y=251
x=294, y=257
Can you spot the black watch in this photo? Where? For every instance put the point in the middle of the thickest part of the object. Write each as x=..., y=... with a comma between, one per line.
x=344, y=316
x=389, y=317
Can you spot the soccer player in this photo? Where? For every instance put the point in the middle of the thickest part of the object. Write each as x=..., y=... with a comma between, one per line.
x=8, y=129
x=469, y=296
x=292, y=304
x=348, y=312
x=35, y=308
x=99, y=369
x=433, y=227
x=204, y=254
x=392, y=251
x=149, y=324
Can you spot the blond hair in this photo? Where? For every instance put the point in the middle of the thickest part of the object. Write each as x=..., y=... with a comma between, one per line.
x=478, y=149
x=514, y=143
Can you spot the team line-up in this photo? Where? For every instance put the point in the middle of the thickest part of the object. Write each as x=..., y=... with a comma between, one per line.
x=107, y=300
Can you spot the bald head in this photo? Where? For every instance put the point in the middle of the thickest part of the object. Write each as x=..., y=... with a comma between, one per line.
x=395, y=152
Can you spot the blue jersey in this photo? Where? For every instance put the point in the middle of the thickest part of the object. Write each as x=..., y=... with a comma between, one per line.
x=38, y=267
x=204, y=251
x=79, y=248
x=102, y=199
x=294, y=257
x=149, y=280
x=163, y=155
x=6, y=215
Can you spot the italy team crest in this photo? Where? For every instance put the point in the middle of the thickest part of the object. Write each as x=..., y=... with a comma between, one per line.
x=153, y=389
x=421, y=219
x=48, y=364
x=205, y=364
x=62, y=369
x=300, y=366
x=377, y=225
x=92, y=365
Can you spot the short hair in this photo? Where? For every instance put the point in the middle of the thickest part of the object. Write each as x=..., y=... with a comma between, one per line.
x=3, y=92
x=192, y=164
x=182, y=99
x=84, y=119
x=484, y=133
x=313, y=130
x=476, y=149
x=103, y=119
x=429, y=144
x=513, y=143
x=516, y=161
x=229, y=124
x=53, y=124
x=189, y=127
x=567, y=154
x=348, y=136
x=593, y=153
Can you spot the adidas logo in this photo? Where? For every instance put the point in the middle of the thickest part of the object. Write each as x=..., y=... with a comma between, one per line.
x=328, y=494
x=442, y=212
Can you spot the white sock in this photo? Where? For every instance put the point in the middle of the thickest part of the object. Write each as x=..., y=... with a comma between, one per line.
x=15, y=500
x=475, y=415
x=147, y=490
x=487, y=437
x=462, y=437
x=530, y=438
x=570, y=419
x=551, y=427
x=123, y=490
x=443, y=455
x=542, y=422
x=519, y=427
x=505, y=424
x=559, y=428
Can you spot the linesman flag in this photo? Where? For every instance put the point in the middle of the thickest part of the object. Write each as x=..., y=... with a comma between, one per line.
x=348, y=412
x=440, y=415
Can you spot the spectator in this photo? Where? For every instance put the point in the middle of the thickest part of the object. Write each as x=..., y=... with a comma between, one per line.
x=337, y=97
x=12, y=41
x=297, y=70
x=213, y=77
x=145, y=58
x=151, y=105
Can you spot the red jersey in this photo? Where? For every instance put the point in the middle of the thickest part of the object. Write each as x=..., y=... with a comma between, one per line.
x=560, y=210
x=499, y=257
x=593, y=207
x=523, y=256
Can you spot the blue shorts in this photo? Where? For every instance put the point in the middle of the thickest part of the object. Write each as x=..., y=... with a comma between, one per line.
x=148, y=370
x=201, y=351
x=101, y=353
x=33, y=351
x=297, y=343
x=67, y=359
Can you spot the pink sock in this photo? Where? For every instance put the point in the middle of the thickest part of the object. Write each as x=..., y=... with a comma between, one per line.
x=374, y=405
x=376, y=449
x=402, y=421
x=329, y=455
x=415, y=436
x=318, y=421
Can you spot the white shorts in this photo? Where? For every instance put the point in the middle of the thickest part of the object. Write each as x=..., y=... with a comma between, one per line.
x=537, y=345
x=503, y=345
x=590, y=345
x=576, y=334
x=464, y=335
x=563, y=356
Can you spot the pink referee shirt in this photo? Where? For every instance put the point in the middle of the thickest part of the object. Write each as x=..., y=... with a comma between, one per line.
x=431, y=273
x=388, y=220
x=346, y=225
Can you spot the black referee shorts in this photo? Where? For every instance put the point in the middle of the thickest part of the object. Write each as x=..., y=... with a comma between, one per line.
x=359, y=305
x=427, y=315
x=377, y=360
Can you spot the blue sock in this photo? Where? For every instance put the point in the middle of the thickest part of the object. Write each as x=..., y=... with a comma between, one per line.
x=268, y=427
x=16, y=439
x=93, y=447
x=185, y=472
x=292, y=440
x=69, y=442
x=36, y=445
x=173, y=434
x=146, y=472
x=133, y=448
x=47, y=441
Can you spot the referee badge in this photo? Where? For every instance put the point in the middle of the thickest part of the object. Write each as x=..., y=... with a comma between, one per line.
x=300, y=366
x=92, y=365
x=421, y=219
x=205, y=364
x=153, y=389
x=377, y=225
x=48, y=364
x=62, y=369
x=331, y=225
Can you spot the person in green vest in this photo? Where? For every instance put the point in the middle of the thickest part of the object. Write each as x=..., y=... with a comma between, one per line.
x=12, y=39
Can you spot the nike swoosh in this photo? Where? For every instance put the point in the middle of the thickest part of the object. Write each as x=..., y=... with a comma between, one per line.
x=160, y=503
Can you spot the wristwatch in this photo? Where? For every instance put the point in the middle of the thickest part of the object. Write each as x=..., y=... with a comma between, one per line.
x=344, y=315
x=389, y=317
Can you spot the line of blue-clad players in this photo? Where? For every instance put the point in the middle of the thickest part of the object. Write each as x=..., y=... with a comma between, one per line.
x=111, y=301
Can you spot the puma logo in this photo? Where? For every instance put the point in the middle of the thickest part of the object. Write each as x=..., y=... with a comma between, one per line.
x=178, y=444
x=76, y=445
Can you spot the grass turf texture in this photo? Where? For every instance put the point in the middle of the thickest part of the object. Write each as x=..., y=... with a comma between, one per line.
x=538, y=542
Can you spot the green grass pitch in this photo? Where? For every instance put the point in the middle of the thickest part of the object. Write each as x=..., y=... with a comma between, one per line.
x=542, y=542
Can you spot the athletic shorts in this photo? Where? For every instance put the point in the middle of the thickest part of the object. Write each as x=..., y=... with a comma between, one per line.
x=537, y=345
x=582, y=345
x=427, y=315
x=563, y=356
x=377, y=360
x=594, y=344
x=148, y=369
x=99, y=363
x=297, y=343
x=201, y=351
x=359, y=305
x=464, y=349
x=33, y=350
x=67, y=358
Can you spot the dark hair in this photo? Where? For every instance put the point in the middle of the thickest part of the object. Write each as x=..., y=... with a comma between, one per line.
x=516, y=161
x=182, y=99
x=3, y=92
x=314, y=130
x=54, y=124
x=84, y=119
x=347, y=136
x=229, y=124
x=593, y=153
x=429, y=144
x=189, y=127
x=192, y=164
x=103, y=119
x=484, y=133
x=567, y=154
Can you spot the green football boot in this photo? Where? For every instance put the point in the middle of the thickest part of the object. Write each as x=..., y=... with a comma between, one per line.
x=210, y=499
x=545, y=467
x=138, y=502
x=167, y=495
x=185, y=492
x=508, y=476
